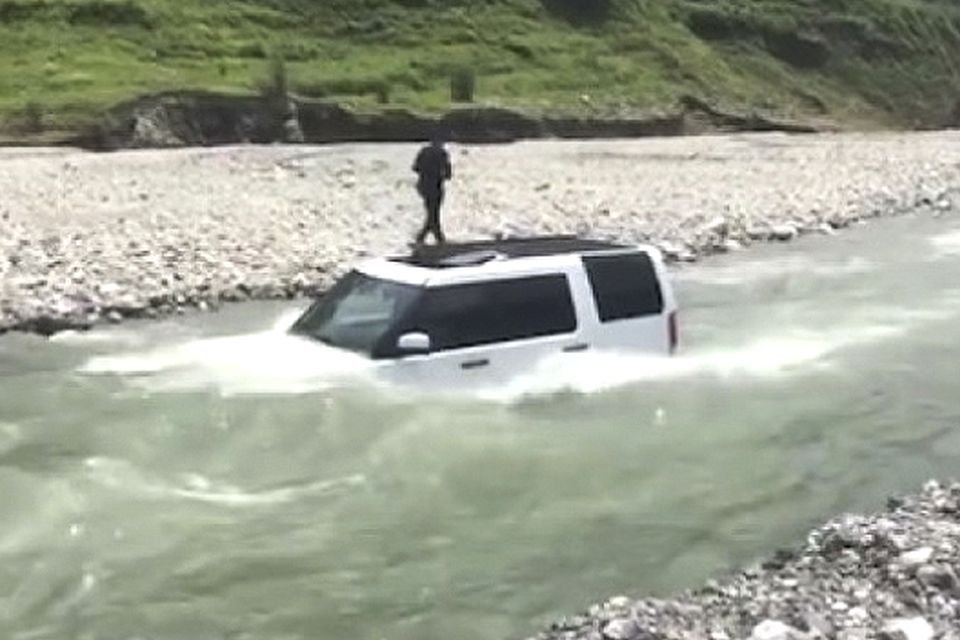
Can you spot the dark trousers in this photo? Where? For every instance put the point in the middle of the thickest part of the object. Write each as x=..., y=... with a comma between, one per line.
x=432, y=201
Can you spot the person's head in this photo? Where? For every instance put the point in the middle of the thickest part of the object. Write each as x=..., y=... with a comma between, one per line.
x=437, y=138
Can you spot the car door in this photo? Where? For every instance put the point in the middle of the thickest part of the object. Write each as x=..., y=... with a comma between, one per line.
x=488, y=332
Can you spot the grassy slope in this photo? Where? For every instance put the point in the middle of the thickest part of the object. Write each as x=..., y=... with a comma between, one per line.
x=876, y=60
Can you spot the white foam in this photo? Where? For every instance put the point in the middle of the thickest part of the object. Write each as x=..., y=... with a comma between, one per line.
x=766, y=357
x=946, y=244
x=277, y=363
x=11, y=434
x=266, y=362
x=274, y=362
x=121, y=475
x=121, y=337
x=754, y=271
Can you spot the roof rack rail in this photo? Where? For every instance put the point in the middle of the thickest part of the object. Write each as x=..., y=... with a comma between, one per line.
x=471, y=258
x=460, y=254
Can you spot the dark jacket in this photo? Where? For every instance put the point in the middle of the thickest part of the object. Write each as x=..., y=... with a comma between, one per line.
x=433, y=167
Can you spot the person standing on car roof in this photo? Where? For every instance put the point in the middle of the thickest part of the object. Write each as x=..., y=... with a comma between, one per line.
x=432, y=167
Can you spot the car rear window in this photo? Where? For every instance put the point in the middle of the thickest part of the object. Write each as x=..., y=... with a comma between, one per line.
x=624, y=286
x=468, y=315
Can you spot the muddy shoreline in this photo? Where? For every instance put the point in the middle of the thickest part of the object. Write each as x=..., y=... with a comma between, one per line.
x=88, y=238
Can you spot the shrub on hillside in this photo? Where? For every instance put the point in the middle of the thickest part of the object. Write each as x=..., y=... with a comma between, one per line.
x=275, y=86
x=105, y=13
x=16, y=11
x=520, y=49
x=346, y=86
x=463, y=85
x=803, y=50
x=254, y=50
x=580, y=11
x=716, y=23
x=382, y=92
x=28, y=119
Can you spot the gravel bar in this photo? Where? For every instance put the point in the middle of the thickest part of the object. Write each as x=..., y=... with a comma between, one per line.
x=87, y=238
x=890, y=576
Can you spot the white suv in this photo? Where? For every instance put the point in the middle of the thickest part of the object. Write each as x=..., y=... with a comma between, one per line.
x=495, y=308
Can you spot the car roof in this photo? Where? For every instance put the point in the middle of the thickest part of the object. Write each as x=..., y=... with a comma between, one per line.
x=461, y=254
x=450, y=263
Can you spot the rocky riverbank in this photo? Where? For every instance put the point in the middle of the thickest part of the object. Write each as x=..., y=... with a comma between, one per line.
x=86, y=237
x=891, y=576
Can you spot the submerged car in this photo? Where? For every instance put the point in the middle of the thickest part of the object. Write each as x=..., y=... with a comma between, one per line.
x=497, y=307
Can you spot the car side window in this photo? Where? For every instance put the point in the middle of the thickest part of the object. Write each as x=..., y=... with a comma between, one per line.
x=468, y=315
x=624, y=286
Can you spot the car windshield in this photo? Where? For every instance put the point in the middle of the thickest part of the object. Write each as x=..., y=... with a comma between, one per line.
x=357, y=312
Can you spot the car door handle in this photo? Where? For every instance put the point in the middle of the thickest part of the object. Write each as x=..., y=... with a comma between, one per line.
x=573, y=348
x=474, y=364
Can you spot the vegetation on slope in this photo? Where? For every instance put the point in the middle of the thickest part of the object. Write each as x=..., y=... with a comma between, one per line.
x=893, y=61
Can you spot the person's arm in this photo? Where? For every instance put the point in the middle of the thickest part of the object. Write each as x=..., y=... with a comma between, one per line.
x=418, y=163
x=447, y=167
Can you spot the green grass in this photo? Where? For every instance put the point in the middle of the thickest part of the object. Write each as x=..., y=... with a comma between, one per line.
x=877, y=61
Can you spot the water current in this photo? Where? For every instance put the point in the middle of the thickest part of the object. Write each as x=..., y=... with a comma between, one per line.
x=208, y=477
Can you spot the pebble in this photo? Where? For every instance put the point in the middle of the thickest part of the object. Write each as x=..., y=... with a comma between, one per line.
x=915, y=628
x=783, y=232
x=775, y=630
x=939, y=577
x=717, y=226
x=621, y=629
x=916, y=557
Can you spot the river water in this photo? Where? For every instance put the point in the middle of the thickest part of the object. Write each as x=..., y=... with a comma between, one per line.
x=209, y=478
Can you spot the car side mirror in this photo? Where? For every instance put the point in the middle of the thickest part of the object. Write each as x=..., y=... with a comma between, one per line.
x=414, y=343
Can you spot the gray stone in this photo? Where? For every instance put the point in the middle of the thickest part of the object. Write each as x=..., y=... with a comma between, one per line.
x=916, y=557
x=784, y=232
x=819, y=625
x=858, y=616
x=621, y=629
x=776, y=630
x=717, y=226
x=671, y=251
x=938, y=577
x=916, y=628
x=292, y=132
